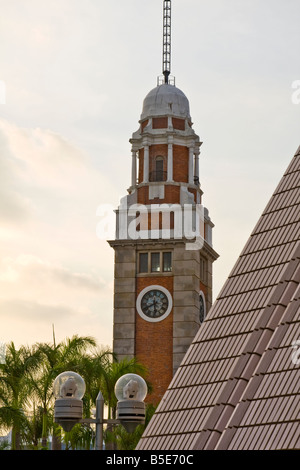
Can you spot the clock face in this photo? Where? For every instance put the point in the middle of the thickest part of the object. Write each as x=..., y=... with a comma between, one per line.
x=154, y=303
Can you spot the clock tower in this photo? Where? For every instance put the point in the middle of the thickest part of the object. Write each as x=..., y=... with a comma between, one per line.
x=163, y=244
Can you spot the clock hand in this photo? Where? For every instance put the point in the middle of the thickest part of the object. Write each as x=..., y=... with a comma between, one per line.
x=150, y=301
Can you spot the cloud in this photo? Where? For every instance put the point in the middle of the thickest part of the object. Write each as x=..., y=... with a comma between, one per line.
x=31, y=271
x=35, y=312
x=49, y=194
x=12, y=205
x=36, y=293
x=73, y=98
x=33, y=290
x=53, y=268
x=33, y=162
x=39, y=156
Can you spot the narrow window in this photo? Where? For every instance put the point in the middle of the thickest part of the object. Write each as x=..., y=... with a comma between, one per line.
x=167, y=262
x=155, y=262
x=143, y=263
x=159, y=169
x=203, y=270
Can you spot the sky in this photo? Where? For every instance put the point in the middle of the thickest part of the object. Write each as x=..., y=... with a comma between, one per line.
x=73, y=77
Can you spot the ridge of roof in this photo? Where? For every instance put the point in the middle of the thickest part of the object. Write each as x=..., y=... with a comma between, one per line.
x=273, y=415
x=232, y=394
x=210, y=393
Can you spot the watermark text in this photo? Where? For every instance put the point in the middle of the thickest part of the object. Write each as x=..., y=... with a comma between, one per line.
x=153, y=222
x=2, y=353
x=296, y=352
x=296, y=93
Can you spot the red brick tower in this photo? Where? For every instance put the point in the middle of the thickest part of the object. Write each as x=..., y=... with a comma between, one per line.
x=163, y=246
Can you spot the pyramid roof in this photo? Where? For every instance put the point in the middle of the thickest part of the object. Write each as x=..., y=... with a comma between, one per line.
x=238, y=384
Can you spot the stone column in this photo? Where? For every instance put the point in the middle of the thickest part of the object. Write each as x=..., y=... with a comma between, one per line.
x=191, y=165
x=146, y=164
x=196, y=167
x=133, y=168
x=170, y=162
x=124, y=301
x=186, y=271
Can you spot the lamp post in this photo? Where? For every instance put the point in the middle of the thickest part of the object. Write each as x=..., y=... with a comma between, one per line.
x=99, y=422
x=131, y=391
x=69, y=389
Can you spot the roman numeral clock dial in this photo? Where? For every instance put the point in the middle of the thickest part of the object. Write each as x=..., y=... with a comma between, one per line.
x=154, y=303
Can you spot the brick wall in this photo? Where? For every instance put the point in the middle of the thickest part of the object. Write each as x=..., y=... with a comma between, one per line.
x=160, y=123
x=158, y=151
x=178, y=124
x=204, y=289
x=172, y=195
x=180, y=163
x=144, y=124
x=154, y=342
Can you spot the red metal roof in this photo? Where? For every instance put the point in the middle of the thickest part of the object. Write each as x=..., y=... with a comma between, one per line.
x=237, y=386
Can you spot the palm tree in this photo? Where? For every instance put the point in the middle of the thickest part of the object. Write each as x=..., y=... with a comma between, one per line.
x=128, y=441
x=80, y=437
x=100, y=372
x=92, y=368
x=15, y=387
x=4, y=445
x=10, y=416
x=113, y=372
x=27, y=376
x=56, y=359
x=32, y=430
x=71, y=351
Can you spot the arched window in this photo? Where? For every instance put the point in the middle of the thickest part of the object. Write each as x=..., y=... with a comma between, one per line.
x=159, y=169
x=158, y=173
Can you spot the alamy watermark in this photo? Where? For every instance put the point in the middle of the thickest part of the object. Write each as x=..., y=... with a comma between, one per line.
x=2, y=353
x=296, y=353
x=153, y=222
x=296, y=93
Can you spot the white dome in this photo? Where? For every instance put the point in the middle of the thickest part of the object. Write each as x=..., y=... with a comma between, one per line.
x=166, y=100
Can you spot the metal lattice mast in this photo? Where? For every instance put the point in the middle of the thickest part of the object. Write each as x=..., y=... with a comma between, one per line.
x=167, y=40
